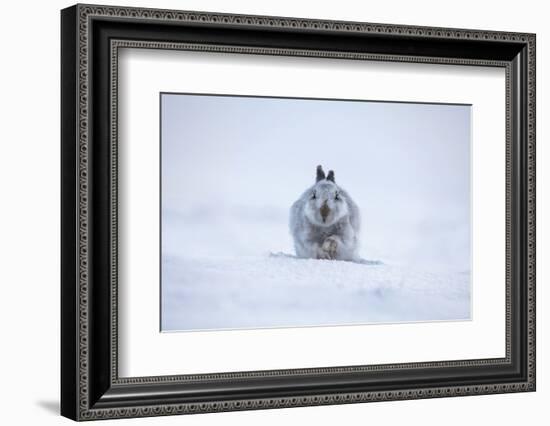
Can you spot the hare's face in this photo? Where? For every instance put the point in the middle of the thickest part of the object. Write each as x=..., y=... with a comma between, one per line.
x=326, y=204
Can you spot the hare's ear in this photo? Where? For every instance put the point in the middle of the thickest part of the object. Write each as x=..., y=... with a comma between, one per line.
x=331, y=176
x=320, y=173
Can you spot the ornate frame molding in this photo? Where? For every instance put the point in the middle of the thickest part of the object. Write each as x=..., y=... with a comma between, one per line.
x=82, y=16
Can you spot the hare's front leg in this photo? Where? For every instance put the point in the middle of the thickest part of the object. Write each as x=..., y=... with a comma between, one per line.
x=329, y=249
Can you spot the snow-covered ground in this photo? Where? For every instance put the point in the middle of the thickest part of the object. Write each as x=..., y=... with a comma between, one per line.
x=281, y=291
x=216, y=274
x=231, y=169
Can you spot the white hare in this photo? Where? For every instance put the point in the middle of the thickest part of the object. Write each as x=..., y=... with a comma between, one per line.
x=325, y=221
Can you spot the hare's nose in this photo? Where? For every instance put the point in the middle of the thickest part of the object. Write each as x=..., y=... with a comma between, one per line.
x=324, y=210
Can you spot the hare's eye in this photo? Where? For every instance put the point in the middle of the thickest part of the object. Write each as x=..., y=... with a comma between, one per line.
x=337, y=196
x=313, y=196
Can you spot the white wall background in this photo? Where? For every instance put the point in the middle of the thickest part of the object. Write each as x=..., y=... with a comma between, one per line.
x=29, y=225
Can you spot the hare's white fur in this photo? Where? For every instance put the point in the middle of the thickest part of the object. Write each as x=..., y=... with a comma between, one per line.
x=325, y=221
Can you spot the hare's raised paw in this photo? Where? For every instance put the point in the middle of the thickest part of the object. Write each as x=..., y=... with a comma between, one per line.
x=330, y=248
x=322, y=255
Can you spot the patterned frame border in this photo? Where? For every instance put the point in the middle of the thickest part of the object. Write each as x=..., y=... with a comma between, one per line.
x=86, y=13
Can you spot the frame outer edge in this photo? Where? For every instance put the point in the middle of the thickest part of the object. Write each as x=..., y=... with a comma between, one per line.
x=531, y=211
x=83, y=12
x=69, y=189
x=83, y=198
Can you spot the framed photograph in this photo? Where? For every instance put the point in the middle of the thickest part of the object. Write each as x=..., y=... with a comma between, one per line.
x=263, y=212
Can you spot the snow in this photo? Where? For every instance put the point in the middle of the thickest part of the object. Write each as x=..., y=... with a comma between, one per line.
x=227, y=186
x=283, y=291
x=229, y=281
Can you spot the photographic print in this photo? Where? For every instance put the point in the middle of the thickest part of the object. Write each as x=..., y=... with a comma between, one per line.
x=294, y=212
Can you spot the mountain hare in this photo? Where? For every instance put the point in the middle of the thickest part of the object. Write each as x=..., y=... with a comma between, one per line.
x=324, y=221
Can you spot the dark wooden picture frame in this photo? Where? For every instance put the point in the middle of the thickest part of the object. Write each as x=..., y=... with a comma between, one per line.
x=90, y=385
